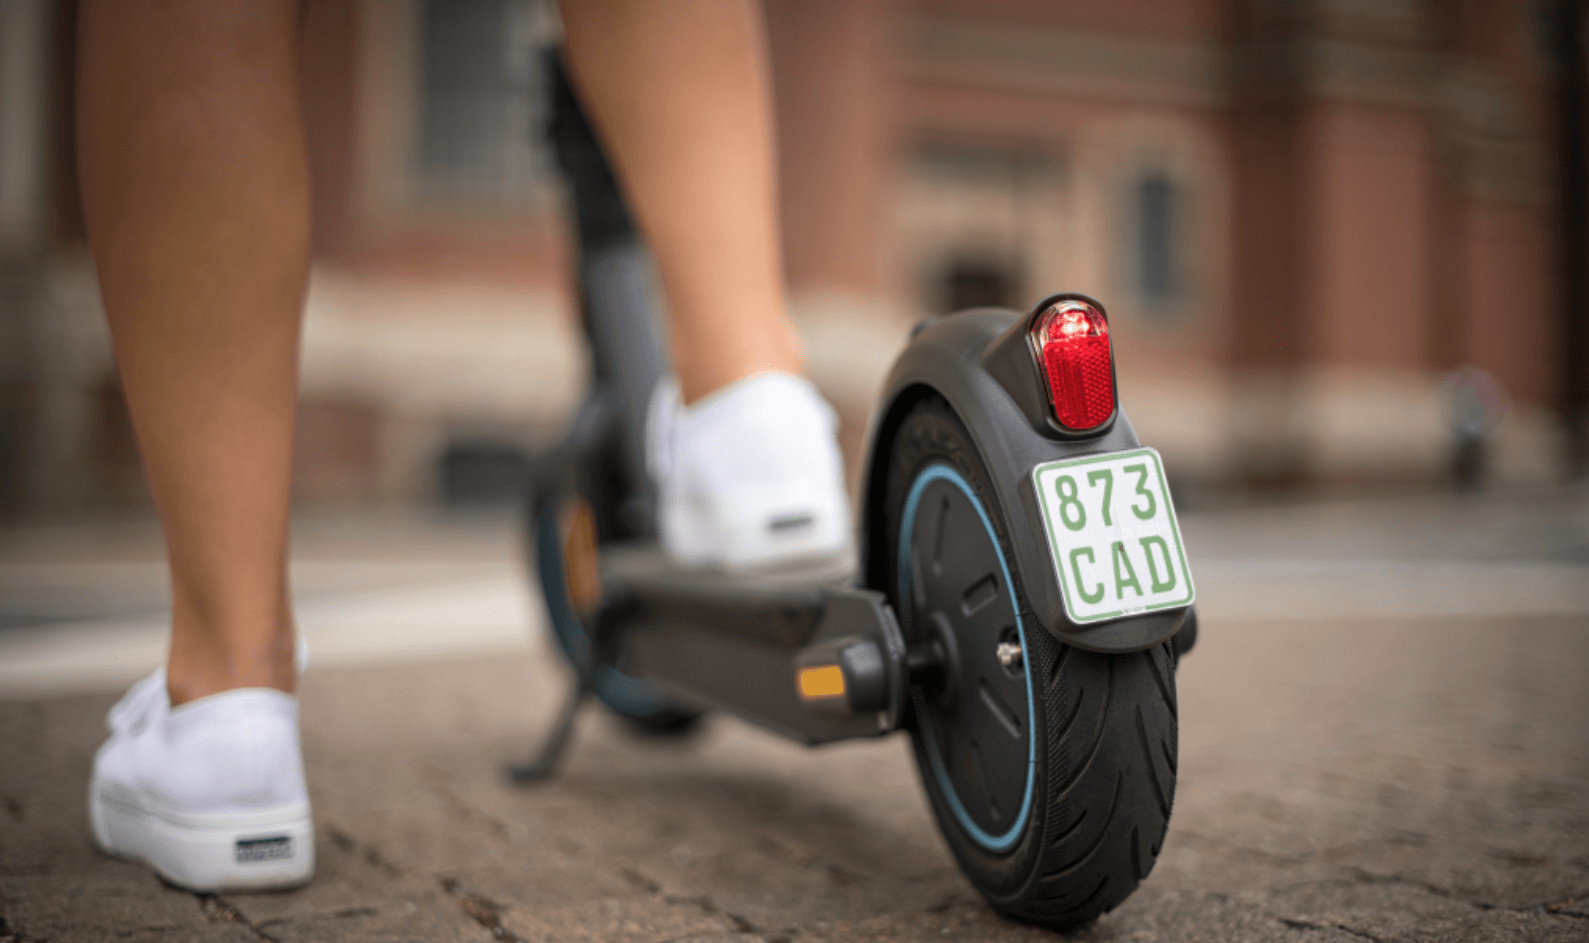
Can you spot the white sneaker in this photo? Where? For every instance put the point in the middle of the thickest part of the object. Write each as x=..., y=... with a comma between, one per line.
x=750, y=475
x=210, y=794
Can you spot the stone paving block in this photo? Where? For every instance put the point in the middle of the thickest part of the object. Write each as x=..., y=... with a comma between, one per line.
x=402, y=912
x=118, y=904
x=1404, y=911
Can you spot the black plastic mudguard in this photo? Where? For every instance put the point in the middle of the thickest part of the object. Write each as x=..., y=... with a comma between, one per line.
x=976, y=360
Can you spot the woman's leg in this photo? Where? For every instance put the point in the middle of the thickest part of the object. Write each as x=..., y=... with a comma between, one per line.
x=680, y=94
x=679, y=91
x=195, y=191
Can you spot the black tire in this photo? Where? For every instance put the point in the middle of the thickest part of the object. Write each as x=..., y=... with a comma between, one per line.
x=1100, y=730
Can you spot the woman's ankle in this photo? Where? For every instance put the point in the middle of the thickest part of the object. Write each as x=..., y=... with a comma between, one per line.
x=200, y=668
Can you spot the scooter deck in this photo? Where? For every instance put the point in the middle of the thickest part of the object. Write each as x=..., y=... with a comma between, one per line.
x=729, y=640
x=780, y=606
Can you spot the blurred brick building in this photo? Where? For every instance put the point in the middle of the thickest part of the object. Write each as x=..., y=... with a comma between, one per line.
x=1301, y=215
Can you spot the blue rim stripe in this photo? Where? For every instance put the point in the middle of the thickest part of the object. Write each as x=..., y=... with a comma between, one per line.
x=942, y=472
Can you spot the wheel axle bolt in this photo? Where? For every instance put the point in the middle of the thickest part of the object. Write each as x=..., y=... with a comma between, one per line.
x=1009, y=654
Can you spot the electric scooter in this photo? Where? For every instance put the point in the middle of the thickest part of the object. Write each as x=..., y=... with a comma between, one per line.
x=1019, y=602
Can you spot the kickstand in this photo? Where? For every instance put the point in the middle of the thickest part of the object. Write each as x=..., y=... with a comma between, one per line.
x=544, y=763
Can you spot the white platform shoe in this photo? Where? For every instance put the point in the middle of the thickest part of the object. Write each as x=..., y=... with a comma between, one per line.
x=211, y=794
x=749, y=476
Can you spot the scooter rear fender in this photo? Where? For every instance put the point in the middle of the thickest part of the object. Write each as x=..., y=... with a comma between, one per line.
x=948, y=357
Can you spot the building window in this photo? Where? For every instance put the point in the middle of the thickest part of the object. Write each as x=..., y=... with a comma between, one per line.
x=1156, y=276
x=977, y=283
x=981, y=223
x=480, y=135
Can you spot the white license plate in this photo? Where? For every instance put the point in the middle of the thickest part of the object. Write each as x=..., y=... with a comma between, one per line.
x=1117, y=548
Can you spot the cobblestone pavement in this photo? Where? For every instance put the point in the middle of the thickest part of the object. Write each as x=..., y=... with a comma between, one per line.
x=1403, y=757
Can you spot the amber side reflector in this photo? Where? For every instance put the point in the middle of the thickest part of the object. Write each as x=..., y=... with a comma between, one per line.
x=821, y=681
x=580, y=569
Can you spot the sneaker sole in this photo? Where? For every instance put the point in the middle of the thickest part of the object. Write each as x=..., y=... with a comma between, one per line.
x=267, y=849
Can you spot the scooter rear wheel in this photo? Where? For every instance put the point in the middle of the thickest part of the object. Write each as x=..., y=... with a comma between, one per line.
x=1052, y=771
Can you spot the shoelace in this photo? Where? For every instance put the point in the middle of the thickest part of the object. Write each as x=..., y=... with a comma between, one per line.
x=149, y=695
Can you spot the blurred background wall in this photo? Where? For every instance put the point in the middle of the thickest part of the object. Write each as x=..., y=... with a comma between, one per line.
x=1341, y=242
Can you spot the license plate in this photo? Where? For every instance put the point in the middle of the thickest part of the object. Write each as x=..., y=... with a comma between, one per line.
x=1116, y=546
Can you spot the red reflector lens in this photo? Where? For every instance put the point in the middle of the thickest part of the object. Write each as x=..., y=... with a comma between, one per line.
x=1073, y=344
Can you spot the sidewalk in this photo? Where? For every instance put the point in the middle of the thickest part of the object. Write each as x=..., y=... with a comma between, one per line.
x=1404, y=755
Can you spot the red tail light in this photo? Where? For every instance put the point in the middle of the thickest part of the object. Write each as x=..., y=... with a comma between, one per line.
x=1073, y=344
